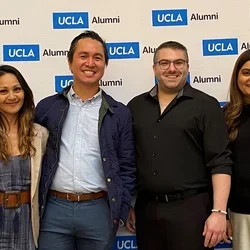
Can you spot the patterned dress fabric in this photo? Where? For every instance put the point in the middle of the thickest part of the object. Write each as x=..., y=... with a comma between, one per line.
x=15, y=224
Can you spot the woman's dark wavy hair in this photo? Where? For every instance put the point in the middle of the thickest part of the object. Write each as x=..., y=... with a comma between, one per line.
x=233, y=109
x=25, y=119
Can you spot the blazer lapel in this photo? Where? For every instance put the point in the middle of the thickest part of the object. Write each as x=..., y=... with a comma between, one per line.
x=36, y=165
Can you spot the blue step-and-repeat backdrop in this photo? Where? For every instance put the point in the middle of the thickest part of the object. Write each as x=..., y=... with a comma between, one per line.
x=35, y=37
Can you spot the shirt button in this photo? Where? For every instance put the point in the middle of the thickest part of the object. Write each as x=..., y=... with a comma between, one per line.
x=153, y=154
x=154, y=173
x=159, y=120
x=113, y=199
x=154, y=136
x=115, y=221
x=108, y=180
x=104, y=158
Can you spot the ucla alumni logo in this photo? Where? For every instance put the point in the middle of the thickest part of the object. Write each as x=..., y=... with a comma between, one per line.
x=70, y=20
x=220, y=47
x=21, y=52
x=125, y=243
x=188, y=78
x=224, y=246
x=123, y=50
x=222, y=104
x=62, y=81
x=176, y=17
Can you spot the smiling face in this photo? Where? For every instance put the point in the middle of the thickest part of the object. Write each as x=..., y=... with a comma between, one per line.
x=243, y=81
x=173, y=78
x=88, y=62
x=11, y=95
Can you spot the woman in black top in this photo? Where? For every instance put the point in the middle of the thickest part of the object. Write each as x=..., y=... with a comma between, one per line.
x=237, y=114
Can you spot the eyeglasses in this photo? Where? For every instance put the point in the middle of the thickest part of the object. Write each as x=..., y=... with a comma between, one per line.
x=165, y=64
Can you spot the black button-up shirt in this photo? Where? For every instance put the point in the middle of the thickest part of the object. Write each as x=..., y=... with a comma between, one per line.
x=180, y=148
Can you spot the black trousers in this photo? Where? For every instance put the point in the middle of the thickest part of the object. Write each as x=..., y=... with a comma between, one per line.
x=177, y=225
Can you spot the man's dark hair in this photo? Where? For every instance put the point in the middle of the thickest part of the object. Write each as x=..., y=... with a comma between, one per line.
x=87, y=34
x=171, y=45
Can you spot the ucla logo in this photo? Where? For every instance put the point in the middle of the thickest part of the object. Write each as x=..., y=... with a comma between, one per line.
x=169, y=17
x=125, y=243
x=21, y=52
x=71, y=20
x=220, y=47
x=222, y=104
x=62, y=82
x=188, y=78
x=124, y=50
x=224, y=246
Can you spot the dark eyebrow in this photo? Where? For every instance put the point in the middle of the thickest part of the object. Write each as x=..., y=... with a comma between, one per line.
x=86, y=53
x=16, y=85
x=99, y=54
x=172, y=60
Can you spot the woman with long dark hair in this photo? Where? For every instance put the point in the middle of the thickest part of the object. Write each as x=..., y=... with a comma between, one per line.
x=22, y=144
x=237, y=114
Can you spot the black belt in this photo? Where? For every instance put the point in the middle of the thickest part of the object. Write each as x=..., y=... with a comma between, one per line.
x=174, y=196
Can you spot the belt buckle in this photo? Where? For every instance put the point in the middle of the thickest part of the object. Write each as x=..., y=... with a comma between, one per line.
x=78, y=197
x=67, y=197
x=6, y=198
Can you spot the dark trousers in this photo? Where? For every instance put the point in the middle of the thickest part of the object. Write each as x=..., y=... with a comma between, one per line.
x=177, y=225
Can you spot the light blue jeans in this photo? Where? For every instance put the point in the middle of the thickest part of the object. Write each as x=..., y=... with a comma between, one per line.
x=84, y=225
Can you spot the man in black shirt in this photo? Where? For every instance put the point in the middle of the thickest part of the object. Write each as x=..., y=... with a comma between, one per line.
x=183, y=160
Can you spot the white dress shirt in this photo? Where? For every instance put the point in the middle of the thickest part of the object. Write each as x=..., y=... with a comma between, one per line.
x=80, y=169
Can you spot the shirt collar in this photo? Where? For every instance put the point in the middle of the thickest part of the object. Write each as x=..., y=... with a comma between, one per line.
x=187, y=91
x=72, y=96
